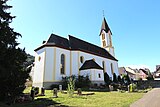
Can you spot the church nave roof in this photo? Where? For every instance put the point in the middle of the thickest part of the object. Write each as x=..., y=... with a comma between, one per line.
x=74, y=43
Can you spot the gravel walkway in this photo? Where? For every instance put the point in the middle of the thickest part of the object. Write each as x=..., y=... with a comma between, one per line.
x=150, y=99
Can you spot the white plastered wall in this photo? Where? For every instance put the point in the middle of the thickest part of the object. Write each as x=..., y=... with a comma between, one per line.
x=49, y=65
x=48, y=69
x=75, y=62
x=98, y=60
x=59, y=52
x=39, y=67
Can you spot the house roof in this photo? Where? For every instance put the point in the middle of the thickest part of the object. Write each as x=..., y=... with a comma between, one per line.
x=129, y=70
x=158, y=70
x=146, y=72
x=76, y=44
x=55, y=40
x=121, y=70
x=105, y=26
x=90, y=64
x=157, y=67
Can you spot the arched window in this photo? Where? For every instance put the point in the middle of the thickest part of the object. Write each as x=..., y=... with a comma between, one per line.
x=110, y=41
x=104, y=43
x=112, y=70
x=39, y=58
x=99, y=75
x=103, y=36
x=62, y=64
x=103, y=64
x=81, y=59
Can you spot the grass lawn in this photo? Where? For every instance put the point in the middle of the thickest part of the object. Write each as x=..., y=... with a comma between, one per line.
x=99, y=99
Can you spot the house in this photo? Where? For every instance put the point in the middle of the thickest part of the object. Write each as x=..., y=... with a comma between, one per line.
x=135, y=74
x=127, y=70
x=59, y=57
x=131, y=73
x=157, y=73
x=143, y=73
x=122, y=71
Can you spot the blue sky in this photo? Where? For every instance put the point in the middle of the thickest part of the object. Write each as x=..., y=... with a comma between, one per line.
x=135, y=25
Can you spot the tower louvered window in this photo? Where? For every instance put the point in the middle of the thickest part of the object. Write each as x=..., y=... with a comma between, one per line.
x=110, y=40
x=103, y=36
x=104, y=43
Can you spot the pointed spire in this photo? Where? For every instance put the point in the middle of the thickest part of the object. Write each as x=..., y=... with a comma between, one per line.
x=105, y=26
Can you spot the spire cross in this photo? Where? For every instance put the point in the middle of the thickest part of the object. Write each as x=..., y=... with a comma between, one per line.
x=103, y=13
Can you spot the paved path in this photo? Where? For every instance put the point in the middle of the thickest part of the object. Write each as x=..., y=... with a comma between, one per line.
x=150, y=99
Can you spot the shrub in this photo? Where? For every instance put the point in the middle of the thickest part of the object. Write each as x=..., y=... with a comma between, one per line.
x=114, y=78
x=150, y=77
x=126, y=79
x=54, y=86
x=36, y=89
x=71, y=86
x=140, y=79
x=120, y=79
x=80, y=81
x=132, y=87
x=106, y=79
x=64, y=82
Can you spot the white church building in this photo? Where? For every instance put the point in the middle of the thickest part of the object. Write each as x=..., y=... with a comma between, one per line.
x=59, y=57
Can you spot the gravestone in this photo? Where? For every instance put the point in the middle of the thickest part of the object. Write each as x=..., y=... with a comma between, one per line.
x=128, y=88
x=55, y=93
x=79, y=91
x=32, y=94
x=42, y=91
x=36, y=89
x=110, y=87
x=60, y=88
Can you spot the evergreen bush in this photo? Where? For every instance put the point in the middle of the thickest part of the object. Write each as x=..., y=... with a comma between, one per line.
x=115, y=78
x=13, y=74
x=106, y=79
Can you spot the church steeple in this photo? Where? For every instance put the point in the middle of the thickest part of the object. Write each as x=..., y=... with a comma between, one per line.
x=106, y=37
x=105, y=26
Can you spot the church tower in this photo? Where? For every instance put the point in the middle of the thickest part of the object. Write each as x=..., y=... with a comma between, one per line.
x=106, y=37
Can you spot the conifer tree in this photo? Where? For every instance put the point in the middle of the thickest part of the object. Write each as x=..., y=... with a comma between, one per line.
x=115, y=78
x=106, y=79
x=13, y=75
x=120, y=79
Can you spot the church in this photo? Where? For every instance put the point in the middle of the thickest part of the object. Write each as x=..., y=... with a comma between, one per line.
x=59, y=57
